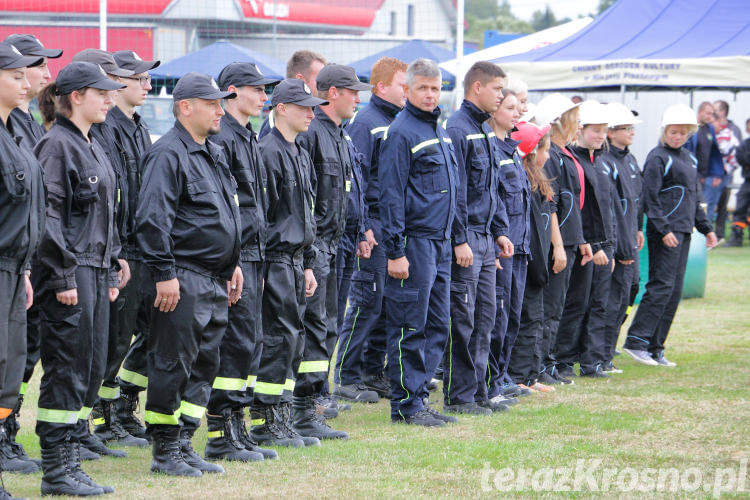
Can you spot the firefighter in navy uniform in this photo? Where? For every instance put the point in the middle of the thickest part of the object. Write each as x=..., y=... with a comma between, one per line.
x=672, y=200
x=22, y=218
x=333, y=170
x=127, y=139
x=361, y=354
x=480, y=225
x=288, y=267
x=25, y=126
x=232, y=389
x=188, y=228
x=78, y=255
x=418, y=178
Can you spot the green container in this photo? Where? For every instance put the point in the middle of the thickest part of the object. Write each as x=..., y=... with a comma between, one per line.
x=694, y=285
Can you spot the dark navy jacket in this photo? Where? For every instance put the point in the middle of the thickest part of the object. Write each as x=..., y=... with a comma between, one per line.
x=540, y=240
x=367, y=128
x=356, y=212
x=598, y=212
x=240, y=145
x=24, y=125
x=672, y=193
x=628, y=182
x=563, y=175
x=418, y=178
x=188, y=214
x=22, y=202
x=479, y=206
x=515, y=191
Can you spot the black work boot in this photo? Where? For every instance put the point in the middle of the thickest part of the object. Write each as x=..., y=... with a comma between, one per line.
x=94, y=444
x=735, y=240
x=224, y=443
x=127, y=407
x=309, y=424
x=284, y=418
x=379, y=383
x=101, y=426
x=192, y=458
x=266, y=430
x=9, y=460
x=238, y=422
x=166, y=453
x=114, y=428
x=78, y=472
x=59, y=478
x=12, y=426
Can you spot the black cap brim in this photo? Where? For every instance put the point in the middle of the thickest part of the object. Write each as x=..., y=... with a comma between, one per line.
x=121, y=72
x=359, y=86
x=105, y=83
x=25, y=62
x=217, y=95
x=145, y=66
x=310, y=101
x=49, y=53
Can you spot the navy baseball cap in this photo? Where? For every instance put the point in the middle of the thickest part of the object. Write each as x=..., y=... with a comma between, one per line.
x=295, y=91
x=103, y=59
x=29, y=45
x=201, y=86
x=241, y=74
x=129, y=59
x=81, y=74
x=341, y=77
x=11, y=57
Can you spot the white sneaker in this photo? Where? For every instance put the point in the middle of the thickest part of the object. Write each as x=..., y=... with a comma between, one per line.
x=642, y=357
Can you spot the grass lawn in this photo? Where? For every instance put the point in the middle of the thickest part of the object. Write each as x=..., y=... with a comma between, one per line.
x=695, y=418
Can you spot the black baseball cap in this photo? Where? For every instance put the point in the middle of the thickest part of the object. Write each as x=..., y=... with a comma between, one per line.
x=128, y=59
x=341, y=77
x=81, y=74
x=103, y=59
x=11, y=57
x=242, y=74
x=201, y=86
x=295, y=91
x=29, y=45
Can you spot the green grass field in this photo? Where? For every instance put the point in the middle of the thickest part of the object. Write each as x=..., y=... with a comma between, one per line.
x=694, y=418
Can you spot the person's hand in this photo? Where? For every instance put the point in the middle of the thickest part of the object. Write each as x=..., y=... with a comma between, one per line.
x=586, y=252
x=311, y=284
x=505, y=246
x=167, y=295
x=29, y=292
x=600, y=258
x=68, y=297
x=370, y=236
x=559, y=259
x=716, y=181
x=234, y=287
x=498, y=265
x=464, y=255
x=363, y=250
x=612, y=269
x=114, y=292
x=711, y=240
x=671, y=241
x=639, y=240
x=398, y=268
x=123, y=275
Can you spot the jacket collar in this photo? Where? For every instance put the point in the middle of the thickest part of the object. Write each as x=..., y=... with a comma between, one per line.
x=474, y=112
x=326, y=122
x=65, y=123
x=617, y=152
x=232, y=124
x=431, y=117
x=188, y=140
x=386, y=107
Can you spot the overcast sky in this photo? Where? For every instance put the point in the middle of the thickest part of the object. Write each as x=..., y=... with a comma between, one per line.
x=562, y=8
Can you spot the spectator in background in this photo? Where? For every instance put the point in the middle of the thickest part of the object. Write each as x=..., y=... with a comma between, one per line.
x=704, y=146
x=576, y=99
x=728, y=137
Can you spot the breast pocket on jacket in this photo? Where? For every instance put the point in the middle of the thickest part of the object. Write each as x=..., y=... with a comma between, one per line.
x=203, y=199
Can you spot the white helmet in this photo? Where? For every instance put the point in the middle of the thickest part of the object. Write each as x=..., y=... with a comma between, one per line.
x=552, y=107
x=679, y=114
x=530, y=114
x=593, y=113
x=619, y=114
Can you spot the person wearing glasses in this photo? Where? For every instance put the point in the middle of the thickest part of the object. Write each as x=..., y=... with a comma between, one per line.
x=125, y=136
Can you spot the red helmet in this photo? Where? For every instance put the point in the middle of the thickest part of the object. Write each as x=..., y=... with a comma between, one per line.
x=529, y=134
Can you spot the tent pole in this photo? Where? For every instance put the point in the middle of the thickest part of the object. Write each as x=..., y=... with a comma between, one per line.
x=103, y=24
x=459, y=52
x=691, y=98
x=622, y=93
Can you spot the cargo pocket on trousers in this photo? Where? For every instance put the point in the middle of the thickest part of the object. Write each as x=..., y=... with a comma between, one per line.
x=406, y=311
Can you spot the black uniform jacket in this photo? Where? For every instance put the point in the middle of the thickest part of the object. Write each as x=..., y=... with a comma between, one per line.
x=188, y=215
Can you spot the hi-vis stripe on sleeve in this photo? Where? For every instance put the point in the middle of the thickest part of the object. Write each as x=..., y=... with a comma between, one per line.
x=474, y=137
x=506, y=161
x=377, y=130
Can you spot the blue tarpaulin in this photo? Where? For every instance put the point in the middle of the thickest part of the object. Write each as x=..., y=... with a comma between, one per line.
x=212, y=59
x=704, y=43
x=408, y=52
